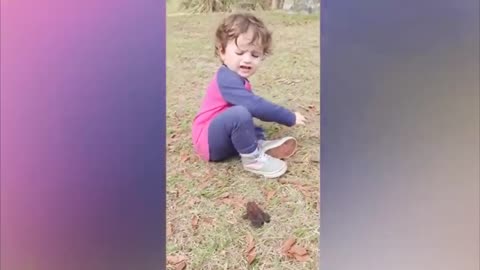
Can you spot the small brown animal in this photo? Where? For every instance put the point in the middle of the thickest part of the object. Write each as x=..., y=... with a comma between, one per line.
x=256, y=215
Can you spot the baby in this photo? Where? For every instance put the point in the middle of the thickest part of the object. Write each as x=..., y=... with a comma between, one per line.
x=224, y=125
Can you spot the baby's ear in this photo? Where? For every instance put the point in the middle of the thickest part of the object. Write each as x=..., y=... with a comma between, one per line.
x=219, y=50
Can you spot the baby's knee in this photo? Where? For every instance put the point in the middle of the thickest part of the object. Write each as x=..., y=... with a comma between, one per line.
x=241, y=113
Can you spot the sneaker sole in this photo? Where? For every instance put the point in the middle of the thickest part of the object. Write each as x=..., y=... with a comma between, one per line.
x=271, y=174
x=285, y=150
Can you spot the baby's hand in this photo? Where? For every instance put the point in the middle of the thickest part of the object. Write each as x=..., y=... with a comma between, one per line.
x=300, y=119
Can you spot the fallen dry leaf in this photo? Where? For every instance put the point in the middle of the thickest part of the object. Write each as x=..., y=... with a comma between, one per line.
x=288, y=244
x=208, y=220
x=307, y=191
x=303, y=258
x=232, y=200
x=195, y=220
x=233, y=222
x=209, y=175
x=187, y=173
x=293, y=251
x=180, y=190
x=192, y=201
x=224, y=195
x=185, y=158
x=250, y=243
x=296, y=249
x=269, y=194
x=285, y=199
x=250, y=250
x=169, y=229
x=251, y=256
x=288, y=181
x=181, y=266
x=203, y=185
x=175, y=259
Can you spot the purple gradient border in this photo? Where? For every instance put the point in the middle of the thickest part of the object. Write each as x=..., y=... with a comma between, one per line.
x=400, y=135
x=82, y=135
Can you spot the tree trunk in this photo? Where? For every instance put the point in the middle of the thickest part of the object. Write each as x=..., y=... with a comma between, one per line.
x=275, y=4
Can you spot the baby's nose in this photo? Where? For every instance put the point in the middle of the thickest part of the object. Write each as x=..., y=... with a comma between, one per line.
x=247, y=57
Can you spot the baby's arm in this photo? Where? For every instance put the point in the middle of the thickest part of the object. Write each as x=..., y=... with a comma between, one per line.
x=233, y=91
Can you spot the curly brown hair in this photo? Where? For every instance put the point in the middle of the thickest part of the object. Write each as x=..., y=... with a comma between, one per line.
x=239, y=23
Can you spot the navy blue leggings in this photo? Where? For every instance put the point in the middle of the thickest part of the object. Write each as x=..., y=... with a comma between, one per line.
x=233, y=132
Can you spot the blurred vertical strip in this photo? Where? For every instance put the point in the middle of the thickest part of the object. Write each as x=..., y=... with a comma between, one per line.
x=400, y=135
x=82, y=135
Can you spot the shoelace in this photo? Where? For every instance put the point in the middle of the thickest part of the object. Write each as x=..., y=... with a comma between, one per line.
x=262, y=157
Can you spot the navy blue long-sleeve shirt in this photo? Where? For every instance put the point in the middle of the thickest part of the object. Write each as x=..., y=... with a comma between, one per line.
x=232, y=89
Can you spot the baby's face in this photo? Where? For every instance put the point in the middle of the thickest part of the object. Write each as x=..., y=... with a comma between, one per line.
x=244, y=58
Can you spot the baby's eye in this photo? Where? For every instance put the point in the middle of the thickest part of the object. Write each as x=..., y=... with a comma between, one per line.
x=256, y=54
x=239, y=53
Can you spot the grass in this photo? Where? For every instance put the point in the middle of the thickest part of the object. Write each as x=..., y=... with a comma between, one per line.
x=204, y=200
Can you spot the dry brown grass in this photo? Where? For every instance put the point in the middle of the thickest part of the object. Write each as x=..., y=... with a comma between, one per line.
x=205, y=201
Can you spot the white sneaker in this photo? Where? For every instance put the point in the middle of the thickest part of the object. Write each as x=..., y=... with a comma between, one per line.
x=263, y=164
x=281, y=148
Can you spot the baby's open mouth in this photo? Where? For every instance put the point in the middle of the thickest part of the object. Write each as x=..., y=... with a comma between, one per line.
x=245, y=67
